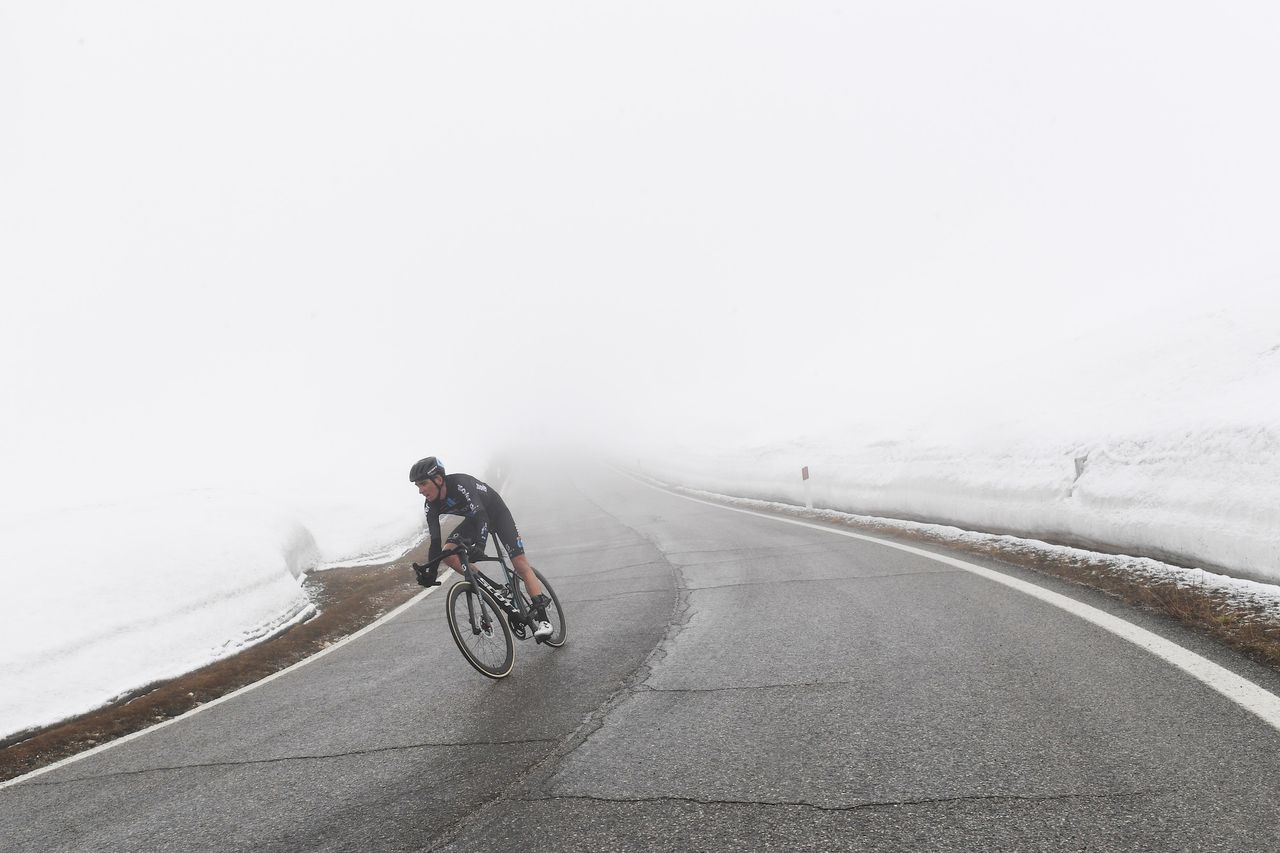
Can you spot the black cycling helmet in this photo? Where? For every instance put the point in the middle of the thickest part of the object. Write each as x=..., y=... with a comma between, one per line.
x=425, y=469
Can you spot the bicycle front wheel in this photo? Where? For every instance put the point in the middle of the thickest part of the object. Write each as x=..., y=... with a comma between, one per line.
x=479, y=629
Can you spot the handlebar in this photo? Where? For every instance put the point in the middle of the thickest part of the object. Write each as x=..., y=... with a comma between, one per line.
x=428, y=572
x=455, y=551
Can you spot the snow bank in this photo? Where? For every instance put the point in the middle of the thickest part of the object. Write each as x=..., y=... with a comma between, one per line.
x=101, y=600
x=1163, y=444
x=1204, y=498
x=360, y=529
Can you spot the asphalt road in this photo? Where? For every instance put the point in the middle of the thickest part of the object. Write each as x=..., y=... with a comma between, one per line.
x=730, y=683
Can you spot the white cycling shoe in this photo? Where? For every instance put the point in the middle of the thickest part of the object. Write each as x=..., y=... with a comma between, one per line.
x=542, y=630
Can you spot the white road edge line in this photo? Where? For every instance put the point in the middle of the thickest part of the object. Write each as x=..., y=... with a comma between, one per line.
x=386, y=617
x=1257, y=700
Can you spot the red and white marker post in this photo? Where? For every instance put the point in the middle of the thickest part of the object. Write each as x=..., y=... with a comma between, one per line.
x=808, y=488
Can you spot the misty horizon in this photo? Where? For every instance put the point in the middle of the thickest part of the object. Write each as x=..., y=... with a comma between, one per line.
x=267, y=249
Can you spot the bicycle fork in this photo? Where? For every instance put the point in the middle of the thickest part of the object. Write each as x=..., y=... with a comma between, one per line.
x=482, y=625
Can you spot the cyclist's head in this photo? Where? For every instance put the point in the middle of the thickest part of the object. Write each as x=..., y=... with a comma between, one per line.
x=428, y=475
x=426, y=469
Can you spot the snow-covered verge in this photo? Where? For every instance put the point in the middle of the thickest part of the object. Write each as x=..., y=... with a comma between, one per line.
x=1162, y=445
x=104, y=599
x=1205, y=498
x=1261, y=599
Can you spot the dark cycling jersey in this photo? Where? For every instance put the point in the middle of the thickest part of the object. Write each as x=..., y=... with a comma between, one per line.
x=482, y=509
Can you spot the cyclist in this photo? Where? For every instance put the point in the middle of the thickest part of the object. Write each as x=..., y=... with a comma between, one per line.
x=481, y=508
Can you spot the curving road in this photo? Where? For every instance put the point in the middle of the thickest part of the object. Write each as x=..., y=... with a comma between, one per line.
x=730, y=683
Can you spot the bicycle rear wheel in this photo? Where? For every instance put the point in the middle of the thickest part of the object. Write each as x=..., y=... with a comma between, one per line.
x=555, y=615
x=479, y=629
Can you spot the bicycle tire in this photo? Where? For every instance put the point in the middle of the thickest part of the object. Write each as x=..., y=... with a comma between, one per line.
x=491, y=651
x=555, y=615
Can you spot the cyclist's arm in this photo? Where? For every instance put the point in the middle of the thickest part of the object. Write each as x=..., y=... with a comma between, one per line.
x=474, y=529
x=433, y=528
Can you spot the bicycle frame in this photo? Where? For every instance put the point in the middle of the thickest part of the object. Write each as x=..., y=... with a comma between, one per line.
x=507, y=596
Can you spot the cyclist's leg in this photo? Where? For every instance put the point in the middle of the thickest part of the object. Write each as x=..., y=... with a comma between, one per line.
x=505, y=528
x=525, y=571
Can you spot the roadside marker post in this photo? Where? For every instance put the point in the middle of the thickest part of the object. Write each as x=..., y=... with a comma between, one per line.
x=808, y=487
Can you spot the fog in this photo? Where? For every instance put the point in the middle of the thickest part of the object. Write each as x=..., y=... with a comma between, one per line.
x=284, y=245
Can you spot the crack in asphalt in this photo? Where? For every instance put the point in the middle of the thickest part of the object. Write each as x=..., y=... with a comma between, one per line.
x=593, y=721
x=853, y=807
x=284, y=759
x=845, y=579
x=600, y=549
x=758, y=553
x=609, y=571
x=615, y=596
x=644, y=688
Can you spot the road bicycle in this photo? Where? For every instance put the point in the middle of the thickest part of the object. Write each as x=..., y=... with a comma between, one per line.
x=484, y=615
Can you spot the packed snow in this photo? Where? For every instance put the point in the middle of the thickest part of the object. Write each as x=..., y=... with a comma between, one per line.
x=1159, y=438
x=119, y=594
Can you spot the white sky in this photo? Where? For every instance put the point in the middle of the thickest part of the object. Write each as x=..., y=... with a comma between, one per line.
x=261, y=241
